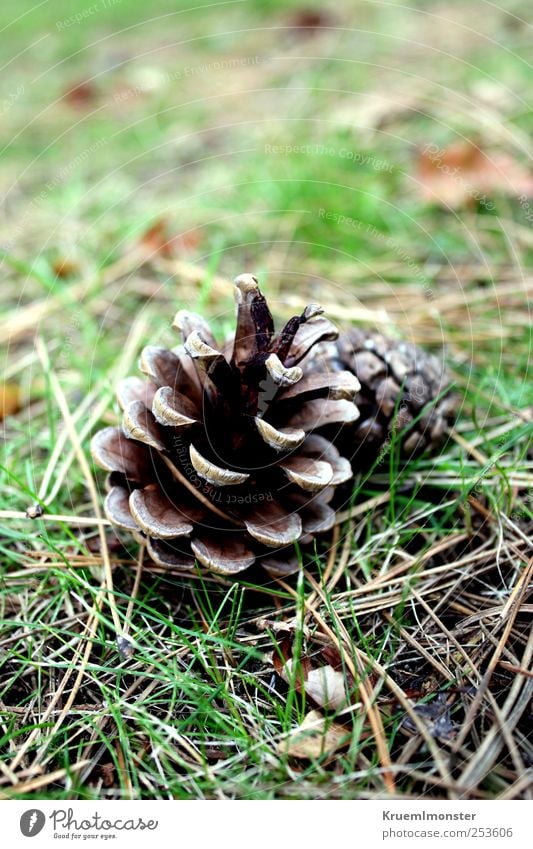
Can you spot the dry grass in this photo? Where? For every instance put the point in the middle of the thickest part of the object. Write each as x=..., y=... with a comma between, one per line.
x=427, y=606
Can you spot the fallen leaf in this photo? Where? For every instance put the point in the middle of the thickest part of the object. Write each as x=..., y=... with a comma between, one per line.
x=306, y=22
x=464, y=175
x=81, y=95
x=156, y=240
x=189, y=240
x=64, y=267
x=314, y=738
x=10, y=400
x=323, y=684
x=321, y=676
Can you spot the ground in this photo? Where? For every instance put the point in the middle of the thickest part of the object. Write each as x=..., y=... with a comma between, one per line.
x=369, y=156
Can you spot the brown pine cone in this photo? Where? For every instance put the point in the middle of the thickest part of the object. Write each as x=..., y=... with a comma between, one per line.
x=219, y=457
x=402, y=387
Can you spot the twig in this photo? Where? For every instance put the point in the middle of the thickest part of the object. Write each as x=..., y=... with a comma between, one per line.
x=81, y=521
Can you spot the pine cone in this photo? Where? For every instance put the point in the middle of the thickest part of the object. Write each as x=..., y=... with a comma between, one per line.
x=218, y=458
x=402, y=386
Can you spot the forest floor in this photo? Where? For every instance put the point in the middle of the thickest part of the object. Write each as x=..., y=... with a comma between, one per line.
x=373, y=158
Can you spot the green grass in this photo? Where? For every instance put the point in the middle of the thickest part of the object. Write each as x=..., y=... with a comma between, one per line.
x=266, y=145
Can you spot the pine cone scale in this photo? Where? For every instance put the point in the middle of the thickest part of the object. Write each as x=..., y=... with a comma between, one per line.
x=255, y=326
x=138, y=422
x=134, y=389
x=114, y=452
x=156, y=515
x=228, y=556
x=170, y=555
x=274, y=527
x=320, y=412
x=398, y=382
x=206, y=495
x=308, y=335
x=308, y=474
x=117, y=508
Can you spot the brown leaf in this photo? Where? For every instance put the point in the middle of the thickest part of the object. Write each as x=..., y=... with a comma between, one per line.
x=327, y=687
x=321, y=676
x=465, y=175
x=81, y=95
x=10, y=400
x=64, y=267
x=188, y=241
x=307, y=22
x=314, y=738
x=156, y=240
